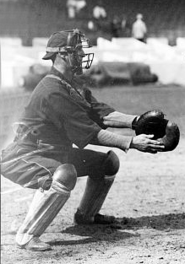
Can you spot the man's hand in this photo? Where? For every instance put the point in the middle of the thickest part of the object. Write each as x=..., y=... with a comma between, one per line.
x=154, y=123
x=145, y=143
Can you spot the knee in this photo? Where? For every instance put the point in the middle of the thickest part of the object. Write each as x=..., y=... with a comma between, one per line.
x=66, y=174
x=111, y=164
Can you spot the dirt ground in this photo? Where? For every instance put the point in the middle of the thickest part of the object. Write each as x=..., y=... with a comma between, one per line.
x=148, y=199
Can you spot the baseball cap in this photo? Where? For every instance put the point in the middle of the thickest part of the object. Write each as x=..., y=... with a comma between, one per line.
x=59, y=41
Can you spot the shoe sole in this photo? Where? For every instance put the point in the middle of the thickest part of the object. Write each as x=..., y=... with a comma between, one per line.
x=33, y=249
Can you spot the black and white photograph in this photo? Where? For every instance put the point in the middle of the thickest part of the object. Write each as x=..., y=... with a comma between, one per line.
x=92, y=131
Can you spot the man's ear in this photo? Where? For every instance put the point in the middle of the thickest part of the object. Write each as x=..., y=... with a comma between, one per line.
x=62, y=56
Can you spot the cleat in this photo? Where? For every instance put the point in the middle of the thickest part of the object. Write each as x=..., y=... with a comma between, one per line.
x=98, y=219
x=35, y=244
x=104, y=219
x=80, y=219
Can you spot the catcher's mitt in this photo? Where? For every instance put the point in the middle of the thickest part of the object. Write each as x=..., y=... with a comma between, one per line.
x=154, y=123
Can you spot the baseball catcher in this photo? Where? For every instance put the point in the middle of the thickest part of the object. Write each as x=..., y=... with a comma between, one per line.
x=48, y=152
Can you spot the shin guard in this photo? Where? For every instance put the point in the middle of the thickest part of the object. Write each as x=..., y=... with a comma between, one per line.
x=94, y=197
x=46, y=204
x=97, y=189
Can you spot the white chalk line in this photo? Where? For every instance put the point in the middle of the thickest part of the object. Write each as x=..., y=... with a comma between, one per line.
x=11, y=190
x=28, y=197
x=24, y=198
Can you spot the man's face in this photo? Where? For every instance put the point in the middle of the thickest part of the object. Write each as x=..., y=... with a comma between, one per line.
x=76, y=59
x=80, y=53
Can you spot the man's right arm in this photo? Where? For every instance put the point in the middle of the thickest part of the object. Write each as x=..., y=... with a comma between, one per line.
x=142, y=142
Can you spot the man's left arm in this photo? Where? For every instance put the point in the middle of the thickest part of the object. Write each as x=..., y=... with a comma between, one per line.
x=107, y=116
x=112, y=118
x=119, y=120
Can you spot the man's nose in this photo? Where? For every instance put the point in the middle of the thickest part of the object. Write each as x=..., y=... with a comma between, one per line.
x=82, y=53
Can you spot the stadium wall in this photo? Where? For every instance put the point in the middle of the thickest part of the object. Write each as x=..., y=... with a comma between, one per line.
x=28, y=19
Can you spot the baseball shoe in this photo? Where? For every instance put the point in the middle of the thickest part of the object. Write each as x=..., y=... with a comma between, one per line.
x=98, y=219
x=35, y=244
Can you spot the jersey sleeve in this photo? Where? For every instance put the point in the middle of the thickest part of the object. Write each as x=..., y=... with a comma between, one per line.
x=98, y=109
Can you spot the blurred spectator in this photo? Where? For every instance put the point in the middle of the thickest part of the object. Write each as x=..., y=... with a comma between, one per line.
x=116, y=27
x=91, y=25
x=71, y=8
x=74, y=7
x=99, y=15
x=80, y=6
x=139, y=29
x=123, y=22
x=125, y=27
x=99, y=11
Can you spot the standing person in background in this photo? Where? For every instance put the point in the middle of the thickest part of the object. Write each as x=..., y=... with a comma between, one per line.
x=139, y=29
x=99, y=14
x=125, y=27
x=74, y=7
x=116, y=27
x=71, y=8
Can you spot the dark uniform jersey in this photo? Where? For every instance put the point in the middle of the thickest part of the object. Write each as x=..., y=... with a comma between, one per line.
x=57, y=116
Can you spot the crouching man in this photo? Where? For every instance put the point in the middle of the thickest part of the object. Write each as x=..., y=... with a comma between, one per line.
x=48, y=153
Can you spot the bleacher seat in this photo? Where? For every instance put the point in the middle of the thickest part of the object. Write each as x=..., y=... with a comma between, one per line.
x=154, y=40
x=129, y=43
x=180, y=43
x=39, y=42
x=13, y=42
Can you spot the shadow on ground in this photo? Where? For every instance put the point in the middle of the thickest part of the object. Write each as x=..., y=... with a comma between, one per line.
x=159, y=222
x=92, y=234
x=124, y=229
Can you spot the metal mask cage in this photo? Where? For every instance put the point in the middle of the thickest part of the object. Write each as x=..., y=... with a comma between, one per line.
x=85, y=42
x=88, y=57
x=87, y=60
x=81, y=41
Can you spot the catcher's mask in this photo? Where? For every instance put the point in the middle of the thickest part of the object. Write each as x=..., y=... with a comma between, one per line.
x=70, y=42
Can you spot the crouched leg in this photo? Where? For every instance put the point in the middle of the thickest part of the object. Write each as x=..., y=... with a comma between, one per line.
x=44, y=208
x=95, y=193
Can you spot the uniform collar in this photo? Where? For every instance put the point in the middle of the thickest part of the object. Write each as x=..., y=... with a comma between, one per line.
x=55, y=72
